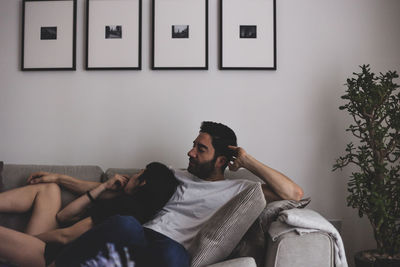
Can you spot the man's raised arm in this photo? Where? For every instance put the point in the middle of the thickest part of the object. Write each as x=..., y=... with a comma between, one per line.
x=72, y=184
x=277, y=185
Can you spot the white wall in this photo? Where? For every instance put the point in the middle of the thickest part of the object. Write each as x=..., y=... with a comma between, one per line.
x=287, y=118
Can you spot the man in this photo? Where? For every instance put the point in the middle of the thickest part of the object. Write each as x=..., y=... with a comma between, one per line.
x=203, y=190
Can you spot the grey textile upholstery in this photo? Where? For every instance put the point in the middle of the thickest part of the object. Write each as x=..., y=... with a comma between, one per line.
x=311, y=250
x=242, y=174
x=253, y=243
x=15, y=175
x=226, y=227
x=1, y=177
x=123, y=171
x=238, y=262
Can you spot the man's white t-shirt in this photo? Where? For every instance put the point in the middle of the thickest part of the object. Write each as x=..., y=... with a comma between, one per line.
x=193, y=203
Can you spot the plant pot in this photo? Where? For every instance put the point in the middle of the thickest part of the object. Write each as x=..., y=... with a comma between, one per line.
x=362, y=261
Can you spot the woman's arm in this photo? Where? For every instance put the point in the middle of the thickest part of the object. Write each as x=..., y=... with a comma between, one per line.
x=66, y=235
x=73, y=184
x=74, y=211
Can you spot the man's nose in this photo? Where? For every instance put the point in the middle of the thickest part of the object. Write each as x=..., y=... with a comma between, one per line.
x=191, y=153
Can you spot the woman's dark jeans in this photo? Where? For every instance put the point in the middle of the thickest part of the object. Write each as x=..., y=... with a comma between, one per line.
x=147, y=247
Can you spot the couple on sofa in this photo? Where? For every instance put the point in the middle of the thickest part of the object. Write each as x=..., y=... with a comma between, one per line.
x=156, y=213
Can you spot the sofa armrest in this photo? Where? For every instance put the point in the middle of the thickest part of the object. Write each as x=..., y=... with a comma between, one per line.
x=290, y=249
x=238, y=262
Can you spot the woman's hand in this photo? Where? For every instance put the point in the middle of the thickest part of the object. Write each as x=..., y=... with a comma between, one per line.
x=117, y=182
x=42, y=177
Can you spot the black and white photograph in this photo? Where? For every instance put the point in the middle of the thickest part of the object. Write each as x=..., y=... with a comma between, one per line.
x=48, y=33
x=114, y=35
x=180, y=35
x=247, y=35
x=180, y=31
x=114, y=32
x=248, y=31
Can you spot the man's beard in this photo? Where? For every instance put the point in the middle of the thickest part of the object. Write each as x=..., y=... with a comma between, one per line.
x=202, y=170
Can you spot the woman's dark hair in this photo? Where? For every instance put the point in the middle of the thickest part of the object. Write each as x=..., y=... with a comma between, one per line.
x=159, y=187
x=143, y=203
x=157, y=174
x=222, y=136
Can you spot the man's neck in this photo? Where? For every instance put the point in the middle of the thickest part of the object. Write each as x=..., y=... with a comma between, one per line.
x=215, y=177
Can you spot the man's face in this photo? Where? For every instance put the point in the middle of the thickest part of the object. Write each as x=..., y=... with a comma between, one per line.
x=202, y=157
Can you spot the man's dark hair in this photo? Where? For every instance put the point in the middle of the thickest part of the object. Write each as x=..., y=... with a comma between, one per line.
x=221, y=136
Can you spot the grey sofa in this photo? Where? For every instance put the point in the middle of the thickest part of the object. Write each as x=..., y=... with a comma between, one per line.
x=244, y=242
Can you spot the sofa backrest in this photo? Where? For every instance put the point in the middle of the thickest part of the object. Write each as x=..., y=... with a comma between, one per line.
x=16, y=175
x=240, y=174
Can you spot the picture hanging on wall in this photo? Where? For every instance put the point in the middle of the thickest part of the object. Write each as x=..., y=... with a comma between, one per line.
x=48, y=35
x=114, y=30
x=248, y=34
x=180, y=34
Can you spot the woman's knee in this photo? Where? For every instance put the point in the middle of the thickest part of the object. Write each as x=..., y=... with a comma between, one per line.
x=49, y=188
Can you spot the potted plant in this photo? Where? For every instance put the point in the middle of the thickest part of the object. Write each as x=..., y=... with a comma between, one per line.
x=374, y=188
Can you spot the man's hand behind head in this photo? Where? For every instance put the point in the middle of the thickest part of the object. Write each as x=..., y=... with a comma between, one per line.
x=239, y=158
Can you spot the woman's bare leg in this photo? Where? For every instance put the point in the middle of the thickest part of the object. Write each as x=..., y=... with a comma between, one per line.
x=21, y=249
x=43, y=199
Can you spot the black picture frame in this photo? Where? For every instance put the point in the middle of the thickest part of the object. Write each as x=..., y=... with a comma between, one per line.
x=48, y=42
x=252, y=46
x=120, y=33
x=182, y=52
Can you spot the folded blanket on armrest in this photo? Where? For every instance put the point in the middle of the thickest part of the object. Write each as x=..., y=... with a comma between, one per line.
x=305, y=221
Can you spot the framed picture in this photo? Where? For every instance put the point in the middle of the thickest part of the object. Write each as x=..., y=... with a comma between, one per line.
x=48, y=35
x=180, y=34
x=248, y=34
x=114, y=34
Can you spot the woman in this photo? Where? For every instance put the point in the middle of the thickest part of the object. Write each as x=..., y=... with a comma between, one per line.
x=141, y=196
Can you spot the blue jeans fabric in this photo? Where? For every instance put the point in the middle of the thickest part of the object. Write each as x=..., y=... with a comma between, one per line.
x=147, y=247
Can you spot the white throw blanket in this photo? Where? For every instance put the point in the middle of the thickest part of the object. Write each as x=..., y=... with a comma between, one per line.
x=306, y=221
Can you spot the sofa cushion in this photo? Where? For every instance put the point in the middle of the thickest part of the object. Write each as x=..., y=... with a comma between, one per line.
x=16, y=175
x=1, y=177
x=226, y=227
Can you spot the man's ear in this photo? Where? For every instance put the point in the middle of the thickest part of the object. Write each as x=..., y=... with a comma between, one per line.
x=221, y=161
